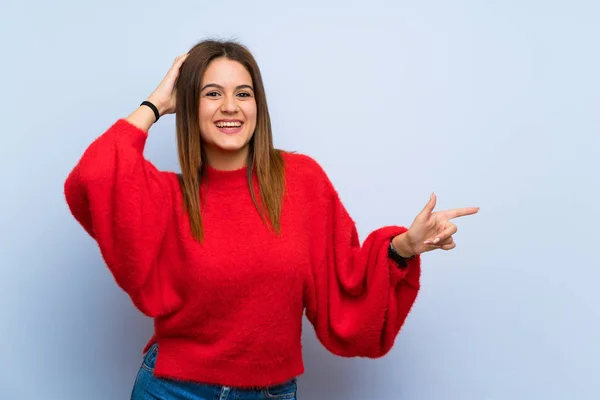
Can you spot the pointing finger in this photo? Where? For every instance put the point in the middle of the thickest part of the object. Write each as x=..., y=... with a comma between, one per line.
x=458, y=212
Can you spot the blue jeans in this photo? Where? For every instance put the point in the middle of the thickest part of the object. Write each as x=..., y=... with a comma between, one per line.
x=149, y=387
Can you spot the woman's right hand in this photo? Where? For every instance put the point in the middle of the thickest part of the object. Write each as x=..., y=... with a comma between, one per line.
x=164, y=96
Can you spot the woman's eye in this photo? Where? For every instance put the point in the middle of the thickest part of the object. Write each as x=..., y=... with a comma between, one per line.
x=216, y=94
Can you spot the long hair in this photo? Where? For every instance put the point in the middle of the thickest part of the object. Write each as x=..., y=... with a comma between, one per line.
x=263, y=159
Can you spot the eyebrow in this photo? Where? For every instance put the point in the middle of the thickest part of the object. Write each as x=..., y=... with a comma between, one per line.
x=215, y=85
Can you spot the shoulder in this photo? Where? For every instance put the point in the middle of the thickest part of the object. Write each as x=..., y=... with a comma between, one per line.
x=304, y=165
x=306, y=177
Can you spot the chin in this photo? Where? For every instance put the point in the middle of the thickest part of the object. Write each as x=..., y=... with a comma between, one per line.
x=232, y=149
x=232, y=144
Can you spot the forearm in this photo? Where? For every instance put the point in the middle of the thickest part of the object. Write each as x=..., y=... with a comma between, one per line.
x=143, y=117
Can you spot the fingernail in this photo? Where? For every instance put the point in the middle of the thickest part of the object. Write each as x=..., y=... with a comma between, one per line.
x=428, y=242
x=436, y=240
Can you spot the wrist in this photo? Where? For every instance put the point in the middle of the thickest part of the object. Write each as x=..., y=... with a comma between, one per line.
x=402, y=246
x=158, y=104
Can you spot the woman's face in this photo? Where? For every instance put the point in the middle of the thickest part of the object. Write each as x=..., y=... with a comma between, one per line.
x=227, y=113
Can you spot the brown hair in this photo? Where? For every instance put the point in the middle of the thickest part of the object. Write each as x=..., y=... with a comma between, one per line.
x=263, y=158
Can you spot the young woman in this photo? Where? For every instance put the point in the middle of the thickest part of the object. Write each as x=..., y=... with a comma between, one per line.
x=227, y=256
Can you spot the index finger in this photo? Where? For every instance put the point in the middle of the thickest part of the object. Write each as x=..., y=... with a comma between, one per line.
x=180, y=58
x=459, y=212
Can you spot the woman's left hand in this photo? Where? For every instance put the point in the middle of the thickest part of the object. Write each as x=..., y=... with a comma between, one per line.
x=431, y=230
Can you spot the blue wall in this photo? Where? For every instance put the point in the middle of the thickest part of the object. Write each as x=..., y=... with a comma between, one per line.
x=492, y=104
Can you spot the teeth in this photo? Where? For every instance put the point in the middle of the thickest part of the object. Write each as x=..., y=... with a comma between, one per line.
x=228, y=124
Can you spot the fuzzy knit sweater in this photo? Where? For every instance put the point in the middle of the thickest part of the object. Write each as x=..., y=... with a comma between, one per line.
x=229, y=311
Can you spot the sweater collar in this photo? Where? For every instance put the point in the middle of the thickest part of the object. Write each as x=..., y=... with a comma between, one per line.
x=225, y=180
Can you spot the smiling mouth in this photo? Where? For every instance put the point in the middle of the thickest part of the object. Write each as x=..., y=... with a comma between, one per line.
x=228, y=124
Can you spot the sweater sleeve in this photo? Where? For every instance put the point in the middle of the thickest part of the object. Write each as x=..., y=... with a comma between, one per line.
x=358, y=298
x=125, y=204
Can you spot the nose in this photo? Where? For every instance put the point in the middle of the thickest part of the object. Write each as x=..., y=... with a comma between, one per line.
x=229, y=105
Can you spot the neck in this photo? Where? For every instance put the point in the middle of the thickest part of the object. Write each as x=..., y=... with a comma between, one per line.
x=223, y=160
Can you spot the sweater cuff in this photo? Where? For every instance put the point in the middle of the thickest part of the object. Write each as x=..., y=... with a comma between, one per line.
x=411, y=272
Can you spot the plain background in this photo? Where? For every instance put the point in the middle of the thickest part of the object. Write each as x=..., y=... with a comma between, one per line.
x=491, y=104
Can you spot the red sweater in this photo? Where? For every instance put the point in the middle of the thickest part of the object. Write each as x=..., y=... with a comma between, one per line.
x=229, y=311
